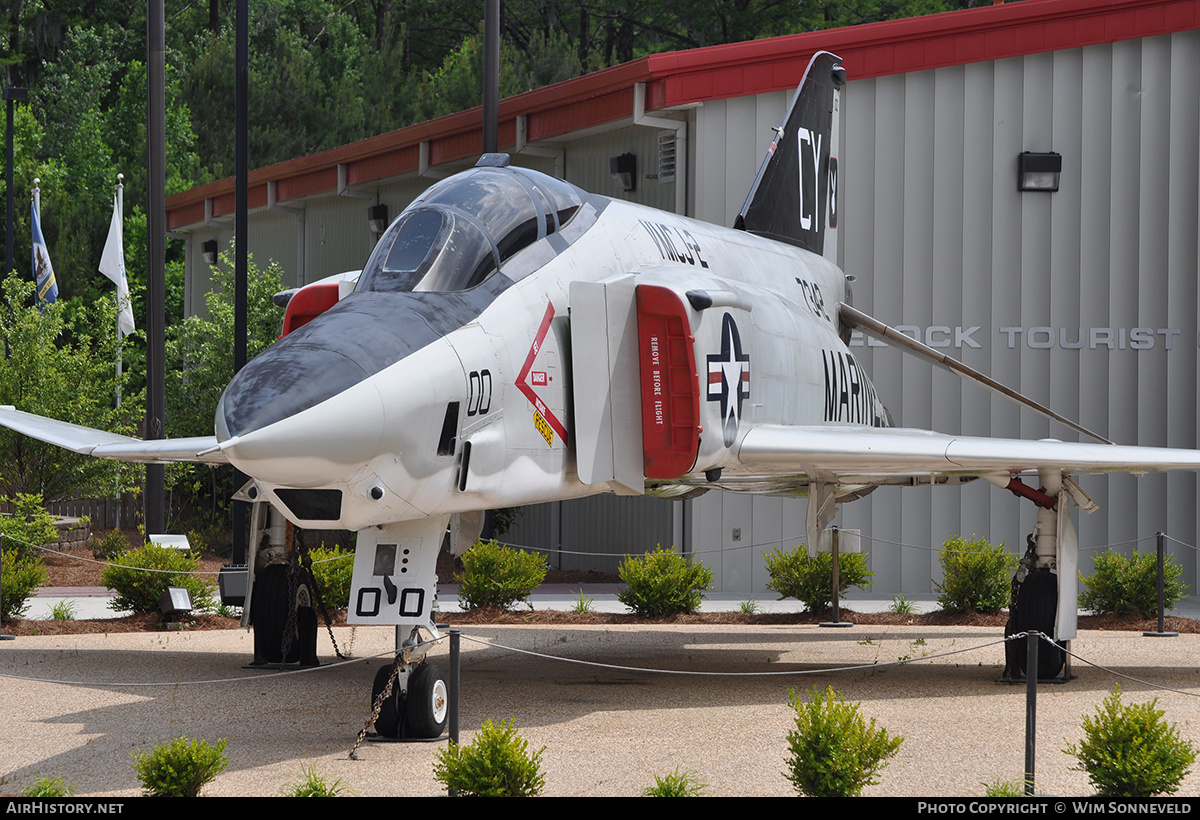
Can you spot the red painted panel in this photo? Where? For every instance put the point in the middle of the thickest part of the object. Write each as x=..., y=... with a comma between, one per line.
x=670, y=389
x=307, y=304
x=302, y=185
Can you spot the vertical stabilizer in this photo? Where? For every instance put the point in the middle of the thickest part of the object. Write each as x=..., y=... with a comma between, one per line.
x=794, y=196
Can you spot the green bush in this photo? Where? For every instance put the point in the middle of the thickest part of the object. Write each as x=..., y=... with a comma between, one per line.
x=30, y=525
x=676, y=784
x=976, y=575
x=21, y=578
x=662, y=583
x=834, y=751
x=1128, y=585
x=210, y=539
x=332, y=569
x=810, y=580
x=314, y=785
x=109, y=545
x=1130, y=751
x=1004, y=788
x=496, y=763
x=140, y=576
x=49, y=787
x=179, y=768
x=496, y=575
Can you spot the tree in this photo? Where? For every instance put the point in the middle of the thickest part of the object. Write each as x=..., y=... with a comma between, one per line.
x=199, y=365
x=56, y=365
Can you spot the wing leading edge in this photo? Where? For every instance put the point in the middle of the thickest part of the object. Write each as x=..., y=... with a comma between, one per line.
x=100, y=444
x=862, y=453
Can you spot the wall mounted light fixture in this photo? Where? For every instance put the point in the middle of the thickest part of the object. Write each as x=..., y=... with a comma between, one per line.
x=377, y=218
x=624, y=171
x=1038, y=172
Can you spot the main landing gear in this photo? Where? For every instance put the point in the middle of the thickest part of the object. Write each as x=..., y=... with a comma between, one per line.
x=409, y=698
x=1044, y=588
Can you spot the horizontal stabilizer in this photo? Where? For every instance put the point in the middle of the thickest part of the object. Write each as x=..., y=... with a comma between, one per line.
x=100, y=444
x=873, y=327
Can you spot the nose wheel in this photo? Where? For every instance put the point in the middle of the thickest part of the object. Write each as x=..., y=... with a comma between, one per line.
x=417, y=705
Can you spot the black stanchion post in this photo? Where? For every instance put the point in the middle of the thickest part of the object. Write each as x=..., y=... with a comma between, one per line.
x=1162, y=595
x=2, y=636
x=1031, y=676
x=837, y=583
x=455, y=646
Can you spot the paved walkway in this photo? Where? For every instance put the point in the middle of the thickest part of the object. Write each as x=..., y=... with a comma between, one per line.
x=92, y=602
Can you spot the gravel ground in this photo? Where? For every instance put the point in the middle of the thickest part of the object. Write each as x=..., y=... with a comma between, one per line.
x=605, y=731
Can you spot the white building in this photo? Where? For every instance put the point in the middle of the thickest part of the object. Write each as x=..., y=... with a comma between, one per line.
x=1085, y=298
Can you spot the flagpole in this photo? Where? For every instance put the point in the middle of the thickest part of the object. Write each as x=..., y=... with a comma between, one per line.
x=121, y=220
x=37, y=197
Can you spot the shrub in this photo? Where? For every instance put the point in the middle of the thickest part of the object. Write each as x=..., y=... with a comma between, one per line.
x=314, y=785
x=976, y=575
x=496, y=575
x=1004, y=788
x=663, y=583
x=902, y=606
x=676, y=784
x=21, y=578
x=332, y=569
x=1130, y=751
x=109, y=545
x=210, y=539
x=793, y=574
x=496, y=763
x=1128, y=585
x=179, y=768
x=834, y=751
x=140, y=576
x=30, y=525
x=49, y=787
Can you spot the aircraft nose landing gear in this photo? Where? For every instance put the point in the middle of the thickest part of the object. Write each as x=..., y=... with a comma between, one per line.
x=409, y=698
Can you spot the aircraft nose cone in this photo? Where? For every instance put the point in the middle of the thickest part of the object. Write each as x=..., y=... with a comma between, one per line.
x=283, y=381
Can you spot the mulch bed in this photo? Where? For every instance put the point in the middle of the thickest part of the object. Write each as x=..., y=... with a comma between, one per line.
x=67, y=570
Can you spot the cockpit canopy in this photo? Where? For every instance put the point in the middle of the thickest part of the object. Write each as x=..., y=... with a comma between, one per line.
x=460, y=231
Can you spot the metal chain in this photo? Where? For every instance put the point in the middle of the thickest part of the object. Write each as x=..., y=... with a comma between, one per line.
x=306, y=562
x=289, y=627
x=378, y=706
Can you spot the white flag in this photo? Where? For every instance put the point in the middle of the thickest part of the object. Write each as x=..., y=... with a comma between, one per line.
x=112, y=265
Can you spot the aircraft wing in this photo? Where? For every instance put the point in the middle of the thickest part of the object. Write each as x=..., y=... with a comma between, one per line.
x=848, y=452
x=101, y=444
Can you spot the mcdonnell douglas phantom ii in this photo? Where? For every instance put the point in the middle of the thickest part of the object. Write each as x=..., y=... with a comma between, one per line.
x=513, y=339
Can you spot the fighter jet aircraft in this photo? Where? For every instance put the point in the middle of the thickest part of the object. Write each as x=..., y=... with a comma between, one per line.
x=513, y=339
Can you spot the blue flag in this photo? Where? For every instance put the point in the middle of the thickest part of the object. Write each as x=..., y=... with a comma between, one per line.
x=43, y=271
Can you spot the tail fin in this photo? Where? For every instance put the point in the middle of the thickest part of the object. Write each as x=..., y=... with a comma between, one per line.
x=794, y=196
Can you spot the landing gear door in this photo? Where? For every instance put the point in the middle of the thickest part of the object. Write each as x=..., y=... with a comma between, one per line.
x=395, y=573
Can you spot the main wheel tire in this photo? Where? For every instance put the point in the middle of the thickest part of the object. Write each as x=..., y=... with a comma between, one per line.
x=428, y=702
x=388, y=722
x=1037, y=609
x=269, y=613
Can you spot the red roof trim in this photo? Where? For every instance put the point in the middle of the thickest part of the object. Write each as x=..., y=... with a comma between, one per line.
x=717, y=72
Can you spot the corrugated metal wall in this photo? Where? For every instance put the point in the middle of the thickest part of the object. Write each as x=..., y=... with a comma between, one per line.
x=1085, y=299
